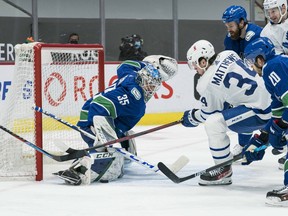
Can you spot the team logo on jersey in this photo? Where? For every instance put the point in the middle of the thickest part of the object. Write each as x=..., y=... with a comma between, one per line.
x=136, y=93
x=249, y=35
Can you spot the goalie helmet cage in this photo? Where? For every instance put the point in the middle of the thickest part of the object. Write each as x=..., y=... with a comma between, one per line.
x=59, y=78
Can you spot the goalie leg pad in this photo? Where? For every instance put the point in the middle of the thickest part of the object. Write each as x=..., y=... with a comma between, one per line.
x=104, y=131
x=108, y=166
x=130, y=146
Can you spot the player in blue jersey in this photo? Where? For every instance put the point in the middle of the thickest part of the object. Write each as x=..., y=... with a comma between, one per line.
x=111, y=114
x=277, y=31
x=225, y=80
x=261, y=55
x=240, y=34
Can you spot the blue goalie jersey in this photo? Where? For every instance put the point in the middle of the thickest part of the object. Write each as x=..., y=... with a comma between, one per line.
x=123, y=101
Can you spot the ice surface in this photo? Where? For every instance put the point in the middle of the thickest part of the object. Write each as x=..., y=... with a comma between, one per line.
x=142, y=192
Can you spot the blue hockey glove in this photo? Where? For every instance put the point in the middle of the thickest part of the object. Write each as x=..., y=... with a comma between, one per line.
x=188, y=119
x=276, y=134
x=248, y=151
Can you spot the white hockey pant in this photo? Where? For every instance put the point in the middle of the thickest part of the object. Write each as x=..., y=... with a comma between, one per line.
x=219, y=142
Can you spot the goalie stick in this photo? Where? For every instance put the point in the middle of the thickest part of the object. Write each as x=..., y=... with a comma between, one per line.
x=178, y=165
x=60, y=158
x=173, y=177
x=39, y=109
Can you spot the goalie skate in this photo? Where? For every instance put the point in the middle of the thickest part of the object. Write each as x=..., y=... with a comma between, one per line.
x=70, y=176
x=220, y=176
x=278, y=197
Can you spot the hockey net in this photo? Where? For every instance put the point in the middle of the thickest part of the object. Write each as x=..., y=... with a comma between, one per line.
x=59, y=78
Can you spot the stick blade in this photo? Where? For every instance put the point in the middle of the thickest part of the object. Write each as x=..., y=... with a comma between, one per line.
x=167, y=172
x=179, y=164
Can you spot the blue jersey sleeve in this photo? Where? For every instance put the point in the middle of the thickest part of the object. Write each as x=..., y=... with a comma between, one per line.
x=123, y=101
x=129, y=67
x=275, y=75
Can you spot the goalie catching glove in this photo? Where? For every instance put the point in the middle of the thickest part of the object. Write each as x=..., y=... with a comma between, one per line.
x=167, y=66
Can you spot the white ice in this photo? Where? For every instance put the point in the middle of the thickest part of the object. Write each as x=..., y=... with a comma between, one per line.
x=142, y=192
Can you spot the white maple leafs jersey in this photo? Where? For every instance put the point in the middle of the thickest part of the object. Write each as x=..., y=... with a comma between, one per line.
x=228, y=80
x=278, y=34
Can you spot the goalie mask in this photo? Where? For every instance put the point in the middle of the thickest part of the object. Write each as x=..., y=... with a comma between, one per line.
x=166, y=66
x=149, y=79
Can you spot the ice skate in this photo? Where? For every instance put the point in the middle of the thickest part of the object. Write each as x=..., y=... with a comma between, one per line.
x=70, y=176
x=220, y=176
x=278, y=197
x=281, y=162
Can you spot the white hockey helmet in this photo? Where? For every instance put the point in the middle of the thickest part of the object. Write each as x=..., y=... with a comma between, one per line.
x=200, y=49
x=270, y=4
x=167, y=66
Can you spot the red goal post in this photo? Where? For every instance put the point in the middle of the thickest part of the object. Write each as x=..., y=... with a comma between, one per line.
x=59, y=78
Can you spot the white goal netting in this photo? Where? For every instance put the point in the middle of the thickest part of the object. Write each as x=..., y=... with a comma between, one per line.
x=58, y=78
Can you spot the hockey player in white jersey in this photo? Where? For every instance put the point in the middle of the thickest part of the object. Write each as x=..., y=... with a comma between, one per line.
x=225, y=80
x=277, y=27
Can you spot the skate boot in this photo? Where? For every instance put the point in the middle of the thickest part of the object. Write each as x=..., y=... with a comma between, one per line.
x=70, y=176
x=281, y=162
x=78, y=173
x=220, y=176
x=236, y=150
x=278, y=197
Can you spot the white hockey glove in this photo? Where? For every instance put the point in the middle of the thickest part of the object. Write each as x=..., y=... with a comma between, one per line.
x=189, y=120
x=167, y=66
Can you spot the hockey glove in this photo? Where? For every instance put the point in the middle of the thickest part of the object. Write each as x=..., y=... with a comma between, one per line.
x=277, y=131
x=188, y=119
x=249, y=155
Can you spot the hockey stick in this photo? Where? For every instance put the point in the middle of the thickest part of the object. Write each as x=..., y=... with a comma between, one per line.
x=54, y=157
x=166, y=171
x=179, y=164
x=39, y=109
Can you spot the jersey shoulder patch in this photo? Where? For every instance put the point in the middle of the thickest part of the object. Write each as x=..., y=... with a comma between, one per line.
x=136, y=93
x=249, y=35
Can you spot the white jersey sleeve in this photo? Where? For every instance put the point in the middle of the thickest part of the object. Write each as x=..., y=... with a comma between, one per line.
x=229, y=81
x=278, y=34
